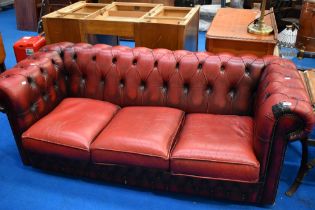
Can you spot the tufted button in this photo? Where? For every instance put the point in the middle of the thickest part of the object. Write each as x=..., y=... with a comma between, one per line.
x=209, y=89
x=83, y=79
x=29, y=80
x=114, y=60
x=156, y=63
x=200, y=66
x=121, y=83
x=177, y=65
x=232, y=93
x=94, y=58
x=74, y=57
x=134, y=62
x=165, y=86
x=55, y=85
x=142, y=85
x=61, y=53
x=33, y=107
x=45, y=96
x=102, y=81
x=222, y=68
x=247, y=70
x=267, y=95
x=186, y=88
x=43, y=72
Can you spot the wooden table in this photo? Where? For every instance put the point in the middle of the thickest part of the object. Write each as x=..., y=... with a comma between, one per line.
x=164, y=2
x=228, y=33
x=309, y=82
x=149, y=25
x=2, y=55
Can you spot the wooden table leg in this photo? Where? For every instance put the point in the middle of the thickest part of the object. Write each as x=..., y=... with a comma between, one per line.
x=303, y=169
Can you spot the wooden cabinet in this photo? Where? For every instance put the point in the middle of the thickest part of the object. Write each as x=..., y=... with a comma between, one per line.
x=28, y=11
x=228, y=33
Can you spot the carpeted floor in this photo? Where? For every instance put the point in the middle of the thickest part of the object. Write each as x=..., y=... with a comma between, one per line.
x=23, y=187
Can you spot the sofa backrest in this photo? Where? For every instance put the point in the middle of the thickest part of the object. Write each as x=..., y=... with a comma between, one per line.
x=193, y=82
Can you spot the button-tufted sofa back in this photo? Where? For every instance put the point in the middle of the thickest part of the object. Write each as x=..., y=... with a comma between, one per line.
x=193, y=82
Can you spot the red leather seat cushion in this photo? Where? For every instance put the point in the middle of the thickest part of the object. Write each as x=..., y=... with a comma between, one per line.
x=216, y=147
x=70, y=128
x=141, y=136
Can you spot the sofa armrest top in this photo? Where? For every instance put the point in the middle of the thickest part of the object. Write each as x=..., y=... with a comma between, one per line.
x=32, y=88
x=281, y=92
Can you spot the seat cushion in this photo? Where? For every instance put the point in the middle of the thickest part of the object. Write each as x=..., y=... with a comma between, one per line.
x=216, y=147
x=70, y=128
x=141, y=136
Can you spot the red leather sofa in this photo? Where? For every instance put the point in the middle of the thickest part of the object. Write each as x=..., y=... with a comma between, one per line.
x=198, y=123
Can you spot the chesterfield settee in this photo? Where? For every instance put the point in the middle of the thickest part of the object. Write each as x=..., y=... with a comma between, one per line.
x=197, y=123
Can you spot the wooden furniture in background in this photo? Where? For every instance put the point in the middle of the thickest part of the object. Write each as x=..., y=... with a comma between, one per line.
x=228, y=33
x=305, y=40
x=150, y=25
x=2, y=55
x=28, y=11
x=169, y=27
x=308, y=78
x=164, y=2
x=118, y=19
x=64, y=24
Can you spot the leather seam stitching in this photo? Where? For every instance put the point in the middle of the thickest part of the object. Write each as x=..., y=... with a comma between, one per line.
x=54, y=143
x=129, y=152
x=215, y=161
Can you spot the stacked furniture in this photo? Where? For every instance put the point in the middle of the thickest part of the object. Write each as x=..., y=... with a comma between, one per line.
x=198, y=123
x=150, y=25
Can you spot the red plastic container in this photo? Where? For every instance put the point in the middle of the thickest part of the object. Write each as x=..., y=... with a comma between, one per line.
x=28, y=46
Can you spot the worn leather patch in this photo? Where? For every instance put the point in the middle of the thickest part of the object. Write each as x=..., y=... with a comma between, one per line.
x=281, y=108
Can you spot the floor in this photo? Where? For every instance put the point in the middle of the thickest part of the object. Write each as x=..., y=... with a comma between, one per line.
x=23, y=187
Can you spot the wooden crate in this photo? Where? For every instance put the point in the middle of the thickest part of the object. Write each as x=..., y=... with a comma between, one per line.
x=169, y=27
x=117, y=19
x=228, y=33
x=64, y=24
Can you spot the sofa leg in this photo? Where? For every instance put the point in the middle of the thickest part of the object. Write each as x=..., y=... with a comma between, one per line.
x=2, y=67
x=304, y=167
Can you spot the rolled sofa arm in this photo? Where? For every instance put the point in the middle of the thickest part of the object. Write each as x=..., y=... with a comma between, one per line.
x=283, y=112
x=30, y=90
